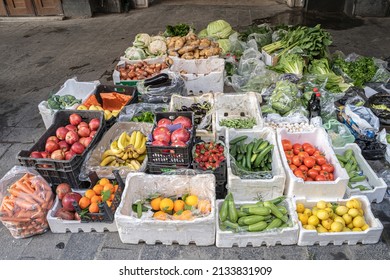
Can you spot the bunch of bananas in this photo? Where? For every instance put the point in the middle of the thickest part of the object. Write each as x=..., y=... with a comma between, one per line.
x=127, y=151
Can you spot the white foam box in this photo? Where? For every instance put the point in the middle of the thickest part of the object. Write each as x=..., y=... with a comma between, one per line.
x=200, y=231
x=377, y=184
x=236, y=105
x=247, y=189
x=282, y=236
x=369, y=236
x=177, y=101
x=63, y=226
x=269, y=59
x=200, y=75
x=80, y=90
x=296, y=187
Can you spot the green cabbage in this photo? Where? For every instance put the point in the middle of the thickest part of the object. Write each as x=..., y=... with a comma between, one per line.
x=224, y=44
x=219, y=29
x=203, y=33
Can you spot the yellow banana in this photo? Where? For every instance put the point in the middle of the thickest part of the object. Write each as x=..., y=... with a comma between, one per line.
x=122, y=141
x=135, y=155
x=107, y=153
x=142, y=149
x=107, y=160
x=141, y=158
x=114, y=147
x=138, y=140
x=132, y=138
x=125, y=156
x=128, y=138
x=136, y=164
x=130, y=154
x=130, y=166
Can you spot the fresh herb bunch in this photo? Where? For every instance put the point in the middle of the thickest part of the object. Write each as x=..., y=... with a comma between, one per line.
x=361, y=71
x=144, y=117
x=180, y=29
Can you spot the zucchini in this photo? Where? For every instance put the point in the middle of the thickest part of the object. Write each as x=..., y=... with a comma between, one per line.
x=275, y=224
x=238, y=139
x=357, y=179
x=262, y=211
x=275, y=211
x=242, y=214
x=256, y=227
x=223, y=212
x=231, y=225
x=253, y=219
x=232, y=211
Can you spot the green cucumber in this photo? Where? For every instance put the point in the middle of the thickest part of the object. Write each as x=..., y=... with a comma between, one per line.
x=238, y=139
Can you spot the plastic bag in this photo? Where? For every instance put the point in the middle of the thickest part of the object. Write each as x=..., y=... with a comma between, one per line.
x=293, y=123
x=382, y=75
x=339, y=133
x=94, y=157
x=285, y=97
x=135, y=110
x=25, y=200
x=261, y=39
x=245, y=174
x=363, y=120
x=163, y=93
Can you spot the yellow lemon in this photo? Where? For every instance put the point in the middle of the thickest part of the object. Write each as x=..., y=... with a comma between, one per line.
x=353, y=212
x=350, y=225
x=365, y=227
x=356, y=229
x=323, y=214
x=327, y=223
x=300, y=208
x=321, y=229
x=192, y=200
x=303, y=218
x=336, y=226
x=339, y=220
x=307, y=212
x=347, y=218
x=309, y=227
x=321, y=204
x=314, y=210
x=313, y=220
x=358, y=222
x=341, y=210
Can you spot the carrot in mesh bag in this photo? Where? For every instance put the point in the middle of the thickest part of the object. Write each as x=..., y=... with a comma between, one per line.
x=114, y=101
x=24, y=208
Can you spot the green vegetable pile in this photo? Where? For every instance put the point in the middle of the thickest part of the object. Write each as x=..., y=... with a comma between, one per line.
x=361, y=71
x=180, y=29
x=290, y=63
x=144, y=117
x=259, y=216
x=349, y=162
x=255, y=156
x=284, y=98
x=57, y=102
x=238, y=123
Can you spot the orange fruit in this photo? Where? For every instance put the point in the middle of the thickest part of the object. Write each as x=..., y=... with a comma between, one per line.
x=109, y=203
x=155, y=203
x=90, y=193
x=116, y=188
x=98, y=189
x=192, y=200
x=93, y=208
x=84, y=202
x=166, y=204
x=108, y=187
x=184, y=216
x=96, y=199
x=104, y=181
x=204, y=206
x=112, y=197
x=160, y=215
x=178, y=205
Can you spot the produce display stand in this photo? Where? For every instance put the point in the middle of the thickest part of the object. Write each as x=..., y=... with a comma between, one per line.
x=58, y=171
x=200, y=231
x=296, y=187
x=378, y=185
x=369, y=236
x=282, y=236
x=249, y=189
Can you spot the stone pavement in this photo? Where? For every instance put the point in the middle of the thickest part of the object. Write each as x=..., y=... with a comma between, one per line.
x=38, y=57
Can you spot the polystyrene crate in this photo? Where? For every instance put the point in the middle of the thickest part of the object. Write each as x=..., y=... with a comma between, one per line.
x=296, y=187
x=283, y=236
x=369, y=236
x=177, y=101
x=247, y=189
x=378, y=185
x=200, y=231
x=62, y=226
x=235, y=105
x=80, y=90
x=200, y=75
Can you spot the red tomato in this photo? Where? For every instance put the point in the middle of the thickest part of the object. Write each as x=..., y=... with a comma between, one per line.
x=303, y=155
x=331, y=177
x=317, y=168
x=289, y=160
x=297, y=146
x=297, y=161
x=320, y=178
x=310, y=150
x=286, y=145
x=289, y=153
x=293, y=167
x=297, y=151
x=317, y=153
x=321, y=160
x=312, y=173
x=306, y=145
x=325, y=174
x=299, y=174
x=328, y=167
x=303, y=168
x=309, y=161
x=309, y=179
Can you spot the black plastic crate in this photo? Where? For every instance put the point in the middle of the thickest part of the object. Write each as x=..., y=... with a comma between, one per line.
x=106, y=213
x=220, y=189
x=126, y=90
x=369, y=153
x=167, y=155
x=56, y=172
x=161, y=168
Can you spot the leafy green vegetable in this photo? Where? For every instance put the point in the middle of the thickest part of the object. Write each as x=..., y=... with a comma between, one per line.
x=284, y=98
x=180, y=29
x=361, y=71
x=144, y=117
x=57, y=102
x=290, y=63
x=224, y=44
x=243, y=123
x=203, y=33
x=219, y=29
x=259, y=29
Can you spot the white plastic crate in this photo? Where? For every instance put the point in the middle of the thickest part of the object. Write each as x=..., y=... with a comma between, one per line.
x=80, y=90
x=369, y=236
x=177, y=101
x=200, y=231
x=296, y=187
x=92, y=162
x=246, y=189
x=235, y=105
x=283, y=236
x=200, y=75
x=63, y=226
x=377, y=184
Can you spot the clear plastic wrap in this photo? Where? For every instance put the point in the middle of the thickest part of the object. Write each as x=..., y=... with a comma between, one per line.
x=339, y=133
x=94, y=158
x=163, y=93
x=25, y=200
x=285, y=97
x=293, y=123
x=134, y=110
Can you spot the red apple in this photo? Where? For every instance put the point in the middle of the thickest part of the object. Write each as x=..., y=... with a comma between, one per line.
x=71, y=127
x=180, y=134
x=51, y=146
x=82, y=124
x=58, y=155
x=74, y=119
x=94, y=124
x=93, y=133
x=84, y=131
x=184, y=121
x=64, y=146
x=71, y=137
x=159, y=143
x=78, y=148
x=162, y=134
x=36, y=154
x=164, y=122
x=53, y=138
x=69, y=154
x=178, y=143
x=61, y=132
x=45, y=155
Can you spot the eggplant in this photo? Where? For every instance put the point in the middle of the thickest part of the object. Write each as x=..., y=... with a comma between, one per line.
x=158, y=80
